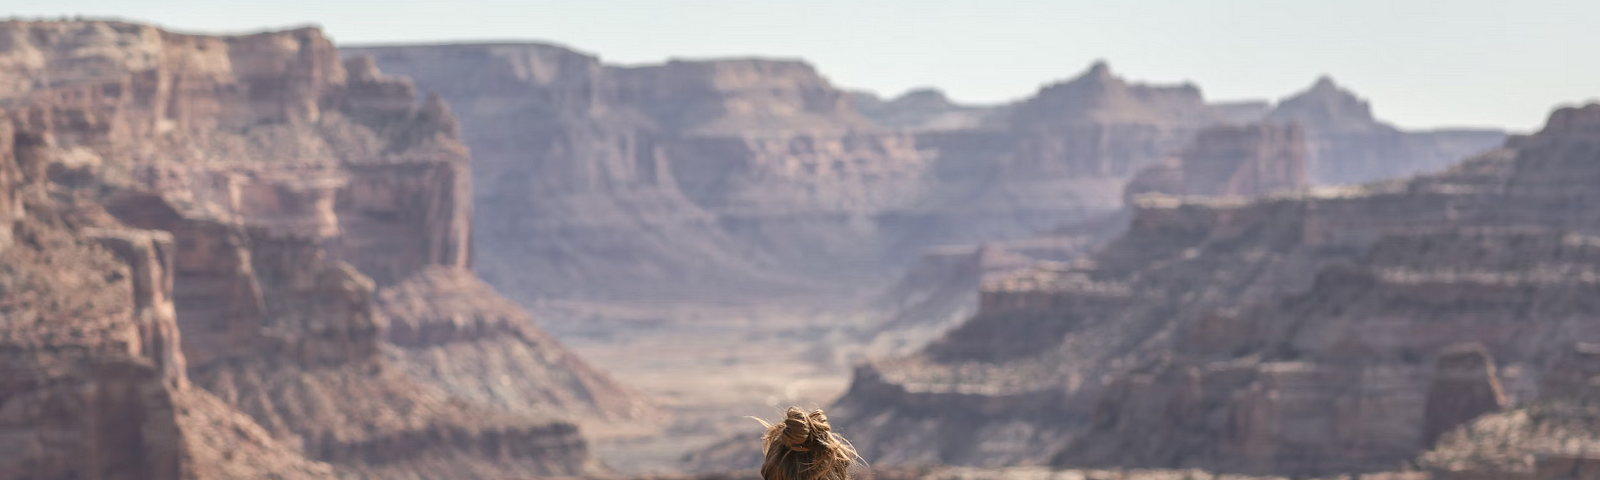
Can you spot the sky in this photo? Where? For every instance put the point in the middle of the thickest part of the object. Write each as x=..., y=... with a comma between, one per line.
x=1421, y=63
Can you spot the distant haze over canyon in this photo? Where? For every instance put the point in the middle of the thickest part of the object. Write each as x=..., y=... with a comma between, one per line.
x=272, y=255
x=1422, y=62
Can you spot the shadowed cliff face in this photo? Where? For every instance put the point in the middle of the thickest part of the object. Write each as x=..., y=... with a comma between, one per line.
x=1302, y=334
x=1553, y=437
x=265, y=219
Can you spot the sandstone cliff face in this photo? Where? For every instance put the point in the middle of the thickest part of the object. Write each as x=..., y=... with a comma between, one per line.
x=261, y=194
x=1370, y=347
x=713, y=175
x=1345, y=144
x=1222, y=161
x=736, y=96
x=1230, y=161
x=1293, y=335
x=573, y=185
x=1061, y=156
x=1552, y=438
x=94, y=382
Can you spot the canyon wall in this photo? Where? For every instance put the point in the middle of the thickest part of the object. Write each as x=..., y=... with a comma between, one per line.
x=288, y=237
x=721, y=178
x=1302, y=334
x=1346, y=144
x=940, y=290
x=573, y=187
x=1230, y=161
x=750, y=177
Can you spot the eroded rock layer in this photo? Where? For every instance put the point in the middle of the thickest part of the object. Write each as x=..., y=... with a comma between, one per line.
x=1230, y=161
x=1303, y=334
x=252, y=215
x=745, y=175
x=1346, y=144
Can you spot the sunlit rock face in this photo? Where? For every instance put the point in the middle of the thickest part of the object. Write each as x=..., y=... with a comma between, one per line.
x=240, y=222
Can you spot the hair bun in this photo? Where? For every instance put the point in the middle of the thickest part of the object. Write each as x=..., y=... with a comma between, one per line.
x=796, y=429
x=819, y=423
x=804, y=447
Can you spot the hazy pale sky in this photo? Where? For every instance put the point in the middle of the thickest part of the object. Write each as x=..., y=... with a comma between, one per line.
x=1421, y=63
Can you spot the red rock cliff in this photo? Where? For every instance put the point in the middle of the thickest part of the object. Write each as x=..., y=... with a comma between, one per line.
x=282, y=190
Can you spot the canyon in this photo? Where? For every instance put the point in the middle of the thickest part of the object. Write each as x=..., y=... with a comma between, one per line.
x=267, y=256
x=739, y=218
x=242, y=257
x=740, y=177
x=1325, y=331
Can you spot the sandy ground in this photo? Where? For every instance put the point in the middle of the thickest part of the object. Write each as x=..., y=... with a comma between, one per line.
x=708, y=367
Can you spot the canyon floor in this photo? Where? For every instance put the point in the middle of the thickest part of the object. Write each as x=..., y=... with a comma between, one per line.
x=708, y=366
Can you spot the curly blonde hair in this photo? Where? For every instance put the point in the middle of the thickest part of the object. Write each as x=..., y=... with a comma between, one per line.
x=804, y=447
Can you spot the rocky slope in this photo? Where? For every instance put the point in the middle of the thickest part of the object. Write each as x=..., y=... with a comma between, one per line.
x=1554, y=437
x=1292, y=335
x=264, y=216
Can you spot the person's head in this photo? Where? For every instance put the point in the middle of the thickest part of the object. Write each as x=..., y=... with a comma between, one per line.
x=804, y=447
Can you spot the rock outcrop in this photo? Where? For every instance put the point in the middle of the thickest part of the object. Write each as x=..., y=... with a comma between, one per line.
x=1223, y=161
x=1230, y=161
x=1465, y=385
x=573, y=181
x=93, y=381
x=1346, y=144
x=1552, y=438
x=1059, y=157
x=1294, y=335
x=251, y=216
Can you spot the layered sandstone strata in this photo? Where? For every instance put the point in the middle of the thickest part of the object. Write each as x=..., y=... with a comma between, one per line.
x=574, y=186
x=1552, y=438
x=710, y=176
x=1346, y=144
x=1300, y=334
x=741, y=177
x=1223, y=161
x=262, y=193
x=93, y=381
x=1230, y=161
